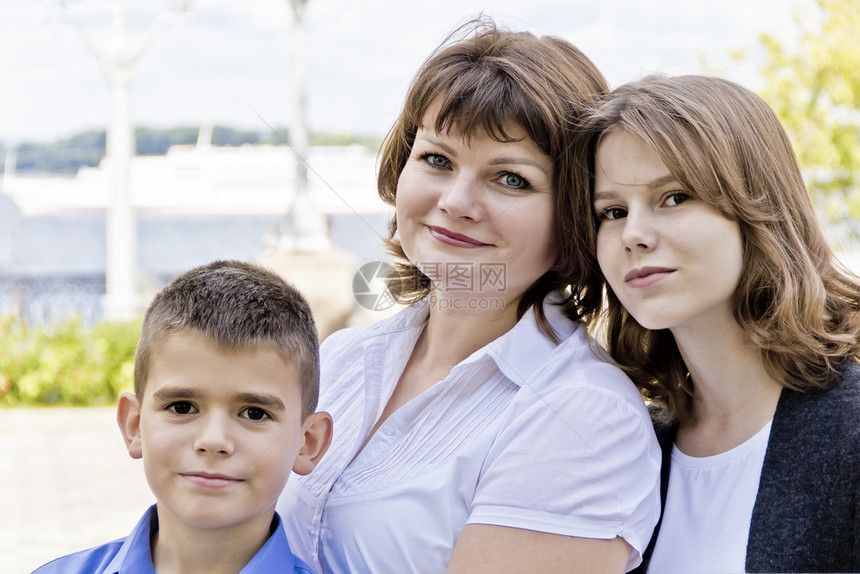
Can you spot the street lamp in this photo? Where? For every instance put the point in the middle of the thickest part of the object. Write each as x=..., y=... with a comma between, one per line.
x=304, y=228
x=118, y=57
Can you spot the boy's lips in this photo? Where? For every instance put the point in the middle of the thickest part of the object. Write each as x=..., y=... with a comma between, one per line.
x=453, y=238
x=210, y=480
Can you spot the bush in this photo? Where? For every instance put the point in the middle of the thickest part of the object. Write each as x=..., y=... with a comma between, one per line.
x=65, y=364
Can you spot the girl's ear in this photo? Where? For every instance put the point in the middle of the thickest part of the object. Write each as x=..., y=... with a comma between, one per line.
x=317, y=436
x=128, y=419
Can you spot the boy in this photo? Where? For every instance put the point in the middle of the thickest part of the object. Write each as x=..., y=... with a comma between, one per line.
x=226, y=382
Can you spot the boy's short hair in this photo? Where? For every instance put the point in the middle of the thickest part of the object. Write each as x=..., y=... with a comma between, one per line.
x=237, y=305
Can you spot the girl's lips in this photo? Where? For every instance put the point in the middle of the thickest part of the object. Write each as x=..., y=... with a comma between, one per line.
x=646, y=276
x=456, y=239
x=211, y=481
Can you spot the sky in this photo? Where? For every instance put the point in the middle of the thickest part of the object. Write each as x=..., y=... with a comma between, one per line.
x=228, y=62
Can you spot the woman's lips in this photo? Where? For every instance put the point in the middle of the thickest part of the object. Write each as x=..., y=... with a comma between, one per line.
x=455, y=239
x=646, y=276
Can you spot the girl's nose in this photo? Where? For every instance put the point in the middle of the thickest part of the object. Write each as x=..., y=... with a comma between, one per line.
x=639, y=231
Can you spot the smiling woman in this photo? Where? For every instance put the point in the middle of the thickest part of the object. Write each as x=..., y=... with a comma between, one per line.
x=477, y=430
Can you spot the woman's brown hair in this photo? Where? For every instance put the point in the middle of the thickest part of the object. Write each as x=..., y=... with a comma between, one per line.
x=488, y=79
x=796, y=303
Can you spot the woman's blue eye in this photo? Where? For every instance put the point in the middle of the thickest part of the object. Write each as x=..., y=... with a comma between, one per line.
x=254, y=414
x=513, y=180
x=436, y=160
x=182, y=408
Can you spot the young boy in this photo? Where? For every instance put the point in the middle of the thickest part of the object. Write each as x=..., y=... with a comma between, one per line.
x=226, y=380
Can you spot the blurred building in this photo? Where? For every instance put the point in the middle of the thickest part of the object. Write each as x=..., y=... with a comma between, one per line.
x=193, y=205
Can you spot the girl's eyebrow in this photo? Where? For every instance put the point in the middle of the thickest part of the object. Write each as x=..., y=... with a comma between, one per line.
x=653, y=184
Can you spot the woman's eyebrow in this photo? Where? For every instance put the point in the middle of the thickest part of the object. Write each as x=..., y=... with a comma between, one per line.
x=435, y=141
x=519, y=160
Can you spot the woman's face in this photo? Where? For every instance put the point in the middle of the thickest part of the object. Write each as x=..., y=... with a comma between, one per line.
x=477, y=215
x=671, y=259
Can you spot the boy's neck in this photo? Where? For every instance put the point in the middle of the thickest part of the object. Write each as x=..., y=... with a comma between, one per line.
x=180, y=548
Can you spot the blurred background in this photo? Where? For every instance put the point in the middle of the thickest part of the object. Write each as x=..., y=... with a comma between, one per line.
x=139, y=138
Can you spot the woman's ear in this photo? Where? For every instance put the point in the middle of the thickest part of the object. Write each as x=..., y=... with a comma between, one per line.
x=317, y=436
x=128, y=419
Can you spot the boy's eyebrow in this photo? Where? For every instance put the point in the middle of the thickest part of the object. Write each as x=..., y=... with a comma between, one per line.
x=268, y=401
x=174, y=393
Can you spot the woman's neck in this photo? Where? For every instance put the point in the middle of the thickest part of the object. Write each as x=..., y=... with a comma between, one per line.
x=451, y=335
x=734, y=395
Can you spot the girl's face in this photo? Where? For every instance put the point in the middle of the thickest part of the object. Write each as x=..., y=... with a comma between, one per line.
x=671, y=259
x=476, y=215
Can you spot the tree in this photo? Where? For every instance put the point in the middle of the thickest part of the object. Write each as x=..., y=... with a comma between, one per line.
x=813, y=83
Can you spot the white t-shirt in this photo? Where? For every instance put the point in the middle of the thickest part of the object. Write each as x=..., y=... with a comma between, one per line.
x=706, y=522
x=523, y=433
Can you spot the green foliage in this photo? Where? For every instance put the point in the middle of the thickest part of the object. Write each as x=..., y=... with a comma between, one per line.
x=813, y=84
x=66, y=363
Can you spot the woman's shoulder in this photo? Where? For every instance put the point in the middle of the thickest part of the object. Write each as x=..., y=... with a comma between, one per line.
x=831, y=415
x=580, y=363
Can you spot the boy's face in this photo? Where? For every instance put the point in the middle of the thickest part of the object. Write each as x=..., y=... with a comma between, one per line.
x=218, y=431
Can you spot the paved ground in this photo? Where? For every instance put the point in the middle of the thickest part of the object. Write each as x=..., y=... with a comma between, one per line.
x=66, y=483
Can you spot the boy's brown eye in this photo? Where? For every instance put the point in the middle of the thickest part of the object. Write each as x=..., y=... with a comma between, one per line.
x=181, y=407
x=255, y=413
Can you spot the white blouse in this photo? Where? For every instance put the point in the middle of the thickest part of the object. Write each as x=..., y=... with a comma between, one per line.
x=523, y=433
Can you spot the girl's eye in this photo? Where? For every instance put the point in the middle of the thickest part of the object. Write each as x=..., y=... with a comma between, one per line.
x=676, y=198
x=611, y=213
x=182, y=408
x=434, y=159
x=254, y=414
x=514, y=181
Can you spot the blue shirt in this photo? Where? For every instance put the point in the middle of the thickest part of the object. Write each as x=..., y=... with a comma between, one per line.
x=131, y=555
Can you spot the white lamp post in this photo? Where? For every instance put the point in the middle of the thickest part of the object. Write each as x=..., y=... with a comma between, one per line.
x=118, y=56
x=304, y=228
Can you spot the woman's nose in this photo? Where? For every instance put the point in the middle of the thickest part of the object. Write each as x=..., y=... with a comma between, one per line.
x=461, y=198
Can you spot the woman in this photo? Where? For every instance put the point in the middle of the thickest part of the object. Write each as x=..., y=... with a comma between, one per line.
x=729, y=311
x=476, y=431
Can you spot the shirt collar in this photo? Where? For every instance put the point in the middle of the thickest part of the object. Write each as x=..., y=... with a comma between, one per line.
x=135, y=557
x=275, y=555
x=517, y=353
x=522, y=350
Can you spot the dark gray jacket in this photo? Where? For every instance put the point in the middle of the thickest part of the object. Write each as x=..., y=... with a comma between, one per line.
x=806, y=516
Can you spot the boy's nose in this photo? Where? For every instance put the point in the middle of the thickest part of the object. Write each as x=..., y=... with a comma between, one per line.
x=214, y=436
